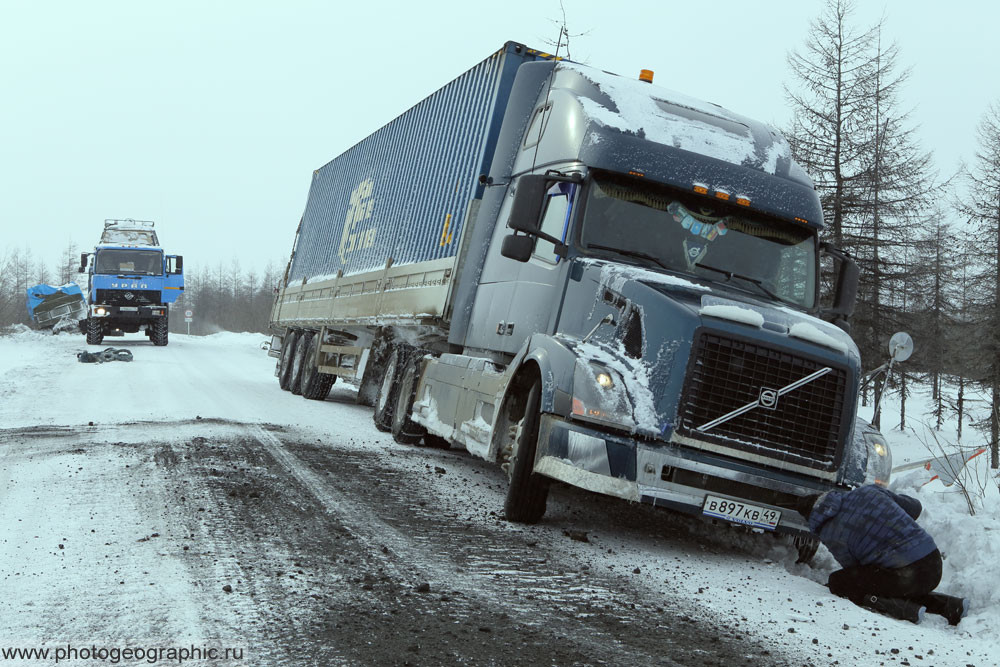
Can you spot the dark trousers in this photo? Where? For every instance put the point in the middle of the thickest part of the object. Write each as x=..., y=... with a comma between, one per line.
x=911, y=582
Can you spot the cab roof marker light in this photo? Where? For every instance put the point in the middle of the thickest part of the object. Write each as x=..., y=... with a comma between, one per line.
x=636, y=172
x=743, y=201
x=802, y=220
x=646, y=75
x=701, y=189
x=722, y=194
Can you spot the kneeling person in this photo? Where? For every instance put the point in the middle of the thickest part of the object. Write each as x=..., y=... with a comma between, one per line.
x=890, y=564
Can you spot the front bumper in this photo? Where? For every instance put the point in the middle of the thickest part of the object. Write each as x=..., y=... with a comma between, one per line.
x=127, y=313
x=665, y=474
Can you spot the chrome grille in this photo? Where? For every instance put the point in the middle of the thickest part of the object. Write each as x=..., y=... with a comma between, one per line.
x=805, y=426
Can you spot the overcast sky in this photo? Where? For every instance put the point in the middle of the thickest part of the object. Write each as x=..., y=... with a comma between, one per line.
x=209, y=117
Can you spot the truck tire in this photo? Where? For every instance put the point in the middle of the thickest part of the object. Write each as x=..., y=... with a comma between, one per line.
x=315, y=385
x=527, y=492
x=385, y=402
x=405, y=431
x=378, y=357
x=285, y=363
x=159, y=332
x=299, y=362
x=95, y=332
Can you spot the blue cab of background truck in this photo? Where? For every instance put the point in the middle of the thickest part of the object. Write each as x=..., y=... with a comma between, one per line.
x=547, y=311
x=113, y=290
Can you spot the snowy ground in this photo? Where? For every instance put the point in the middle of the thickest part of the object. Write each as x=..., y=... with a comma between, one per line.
x=75, y=582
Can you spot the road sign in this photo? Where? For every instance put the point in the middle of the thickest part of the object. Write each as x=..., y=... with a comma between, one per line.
x=188, y=313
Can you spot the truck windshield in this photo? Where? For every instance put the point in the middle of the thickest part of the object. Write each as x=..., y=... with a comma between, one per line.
x=688, y=234
x=133, y=262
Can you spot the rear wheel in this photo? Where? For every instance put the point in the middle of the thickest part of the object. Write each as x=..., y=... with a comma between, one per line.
x=378, y=356
x=404, y=430
x=385, y=402
x=159, y=331
x=299, y=362
x=528, y=492
x=95, y=331
x=285, y=364
x=315, y=385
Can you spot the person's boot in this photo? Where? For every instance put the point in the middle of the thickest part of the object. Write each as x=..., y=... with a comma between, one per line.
x=952, y=608
x=904, y=610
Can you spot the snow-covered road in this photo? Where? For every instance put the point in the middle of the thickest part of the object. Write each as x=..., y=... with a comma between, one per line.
x=183, y=500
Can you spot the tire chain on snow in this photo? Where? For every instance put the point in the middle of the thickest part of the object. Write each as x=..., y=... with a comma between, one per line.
x=109, y=354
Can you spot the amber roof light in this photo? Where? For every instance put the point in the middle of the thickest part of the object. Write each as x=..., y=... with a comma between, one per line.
x=646, y=75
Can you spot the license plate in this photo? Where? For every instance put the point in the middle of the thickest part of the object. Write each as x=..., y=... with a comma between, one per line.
x=740, y=512
x=129, y=308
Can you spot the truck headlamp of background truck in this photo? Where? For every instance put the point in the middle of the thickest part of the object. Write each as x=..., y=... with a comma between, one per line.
x=589, y=279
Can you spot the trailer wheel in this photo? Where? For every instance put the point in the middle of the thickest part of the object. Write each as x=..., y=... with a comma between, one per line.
x=287, y=352
x=527, y=492
x=315, y=385
x=378, y=357
x=298, y=362
x=385, y=402
x=95, y=332
x=405, y=431
x=159, y=332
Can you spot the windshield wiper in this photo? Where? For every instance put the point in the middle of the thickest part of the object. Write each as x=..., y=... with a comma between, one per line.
x=753, y=281
x=631, y=253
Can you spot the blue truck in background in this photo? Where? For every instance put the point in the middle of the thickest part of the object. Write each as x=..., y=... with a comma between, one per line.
x=588, y=279
x=131, y=283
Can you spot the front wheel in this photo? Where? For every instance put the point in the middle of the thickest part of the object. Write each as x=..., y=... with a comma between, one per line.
x=527, y=492
x=159, y=332
x=95, y=332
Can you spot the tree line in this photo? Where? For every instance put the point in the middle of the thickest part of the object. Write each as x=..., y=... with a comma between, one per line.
x=928, y=246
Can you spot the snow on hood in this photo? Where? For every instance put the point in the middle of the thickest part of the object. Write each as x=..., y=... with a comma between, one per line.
x=796, y=323
x=734, y=314
x=674, y=119
x=615, y=275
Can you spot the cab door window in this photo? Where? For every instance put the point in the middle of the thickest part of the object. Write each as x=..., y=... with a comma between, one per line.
x=555, y=219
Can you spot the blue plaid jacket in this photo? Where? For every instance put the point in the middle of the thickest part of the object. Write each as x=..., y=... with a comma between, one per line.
x=870, y=525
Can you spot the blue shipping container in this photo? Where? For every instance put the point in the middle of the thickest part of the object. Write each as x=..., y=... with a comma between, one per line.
x=404, y=191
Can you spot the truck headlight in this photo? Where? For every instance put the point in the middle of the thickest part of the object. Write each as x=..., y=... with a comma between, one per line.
x=879, y=467
x=599, y=395
x=100, y=311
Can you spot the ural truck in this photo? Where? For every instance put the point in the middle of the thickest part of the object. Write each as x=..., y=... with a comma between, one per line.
x=589, y=279
x=131, y=283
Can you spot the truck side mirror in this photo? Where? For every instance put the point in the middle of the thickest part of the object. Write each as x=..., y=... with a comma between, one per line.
x=83, y=262
x=179, y=264
x=526, y=213
x=845, y=295
x=517, y=247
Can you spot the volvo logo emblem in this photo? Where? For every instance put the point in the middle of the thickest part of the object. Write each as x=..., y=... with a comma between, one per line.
x=768, y=398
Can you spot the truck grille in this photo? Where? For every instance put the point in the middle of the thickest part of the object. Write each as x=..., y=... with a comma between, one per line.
x=128, y=297
x=804, y=427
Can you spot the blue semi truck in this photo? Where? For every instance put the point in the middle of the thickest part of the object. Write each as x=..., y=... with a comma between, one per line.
x=590, y=279
x=131, y=283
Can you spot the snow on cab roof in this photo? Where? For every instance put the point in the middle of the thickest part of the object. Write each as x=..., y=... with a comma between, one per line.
x=674, y=119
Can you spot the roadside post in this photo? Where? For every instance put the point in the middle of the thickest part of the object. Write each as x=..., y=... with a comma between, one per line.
x=187, y=318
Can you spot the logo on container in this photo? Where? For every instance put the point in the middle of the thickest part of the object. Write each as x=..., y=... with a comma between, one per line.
x=359, y=210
